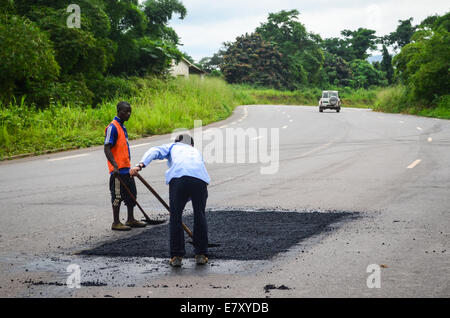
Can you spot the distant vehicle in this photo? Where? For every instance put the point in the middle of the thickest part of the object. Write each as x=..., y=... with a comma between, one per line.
x=330, y=100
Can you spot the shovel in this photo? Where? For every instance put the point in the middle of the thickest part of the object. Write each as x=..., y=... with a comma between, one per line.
x=147, y=219
x=186, y=229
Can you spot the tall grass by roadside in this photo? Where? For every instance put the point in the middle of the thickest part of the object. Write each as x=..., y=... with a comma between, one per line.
x=162, y=106
x=159, y=108
x=397, y=100
x=360, y=98
x=264, y=96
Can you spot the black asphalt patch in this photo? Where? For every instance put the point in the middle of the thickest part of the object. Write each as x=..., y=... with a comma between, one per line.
x=242, y=235
x=268, y=288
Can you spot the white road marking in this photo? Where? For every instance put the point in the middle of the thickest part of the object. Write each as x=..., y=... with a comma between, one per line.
x=401, y=122
x=223, y=126
x=233, y=123
x=415, y=163
x=140, y=145
x=284, y=127
x=418, y=128
x=290, y=120
x=256, y=138
x=317, y=149
x=430, y=139
x=69, y=157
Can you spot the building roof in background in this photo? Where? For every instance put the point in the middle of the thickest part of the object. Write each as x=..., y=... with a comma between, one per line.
x=193, y=68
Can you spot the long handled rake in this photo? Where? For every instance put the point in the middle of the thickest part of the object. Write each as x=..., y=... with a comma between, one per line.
x=147, y=219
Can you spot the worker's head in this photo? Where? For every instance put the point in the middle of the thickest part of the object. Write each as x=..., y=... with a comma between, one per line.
x=124, y=111
x=185, y=139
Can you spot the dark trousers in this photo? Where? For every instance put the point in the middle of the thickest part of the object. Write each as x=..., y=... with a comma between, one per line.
x=180, y=190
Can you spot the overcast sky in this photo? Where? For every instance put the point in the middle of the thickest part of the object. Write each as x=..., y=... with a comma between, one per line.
x=209, y=23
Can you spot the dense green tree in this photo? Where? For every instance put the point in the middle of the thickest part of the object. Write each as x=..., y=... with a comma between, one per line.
x=377, y=65
x=365, y=75
x=423, y=65
x=386, y=65
x=145, y=42
x=353, y=45
x=402, y=35
x=159, y=13
x=27, y=57
x=250, y=59
x=359, y=42
x=428, y=22
x=338, y=47
x=302, y=57
x=7, y=6
x=78, y=51
x=213, y=63
x=115, y=37
x=336, y=71
x=86, y=50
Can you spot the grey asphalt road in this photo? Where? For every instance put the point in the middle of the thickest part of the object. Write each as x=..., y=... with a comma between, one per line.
x=393, y=169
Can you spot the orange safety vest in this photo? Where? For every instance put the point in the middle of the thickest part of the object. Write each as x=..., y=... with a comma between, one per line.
x=120, y=149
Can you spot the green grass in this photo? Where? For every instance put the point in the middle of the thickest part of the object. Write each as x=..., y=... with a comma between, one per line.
x=264, y=96
x=160, y=108
x=360, y=98
x=397, y=100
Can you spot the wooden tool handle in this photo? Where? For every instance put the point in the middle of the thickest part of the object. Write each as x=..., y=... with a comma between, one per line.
x=133, y=198
x=186, y=229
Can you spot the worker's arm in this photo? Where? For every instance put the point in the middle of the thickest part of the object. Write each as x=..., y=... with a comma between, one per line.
x=110, y=158
x=154, y=153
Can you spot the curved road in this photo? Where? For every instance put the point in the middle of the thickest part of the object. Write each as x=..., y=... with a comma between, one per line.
x=393, y=169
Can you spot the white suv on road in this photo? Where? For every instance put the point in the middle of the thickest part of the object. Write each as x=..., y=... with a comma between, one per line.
x=330, y=100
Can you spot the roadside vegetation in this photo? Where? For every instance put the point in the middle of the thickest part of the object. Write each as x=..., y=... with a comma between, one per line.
x=160, y=107
x=360, y=98
x=59, y=85
x=415, y=79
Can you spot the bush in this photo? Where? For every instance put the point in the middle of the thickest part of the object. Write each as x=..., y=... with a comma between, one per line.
x=70, y=92
x=365, y=75
x=27, y=57
x=216, y=73
x=393, y=100
x=110, y=87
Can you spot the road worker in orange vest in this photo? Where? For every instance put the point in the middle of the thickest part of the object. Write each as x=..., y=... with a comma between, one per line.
x=117, y=151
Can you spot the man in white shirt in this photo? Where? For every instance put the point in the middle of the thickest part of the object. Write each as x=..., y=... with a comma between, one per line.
x=188, y=180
